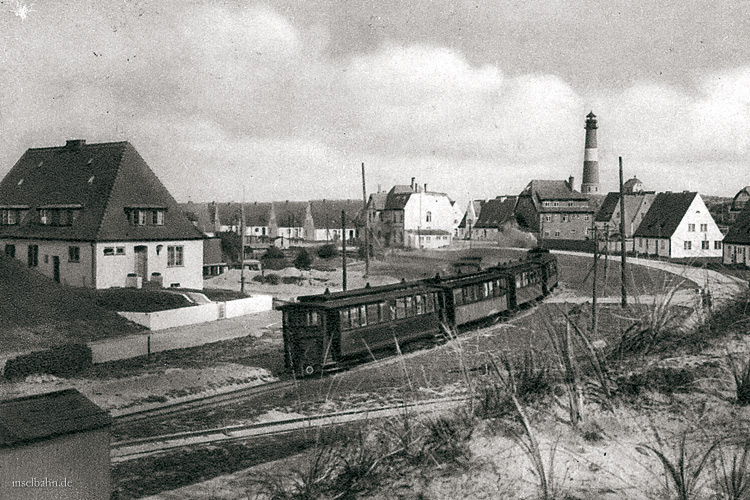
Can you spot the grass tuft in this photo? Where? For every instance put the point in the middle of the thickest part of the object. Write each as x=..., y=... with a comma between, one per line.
x=741, y=375
x=684, y=473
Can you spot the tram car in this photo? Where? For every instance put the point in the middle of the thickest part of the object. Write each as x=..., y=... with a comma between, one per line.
x=323, y=331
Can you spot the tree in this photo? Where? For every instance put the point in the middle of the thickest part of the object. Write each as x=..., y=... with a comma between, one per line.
x=327, y=251
x=303, y=259
x=231, y=246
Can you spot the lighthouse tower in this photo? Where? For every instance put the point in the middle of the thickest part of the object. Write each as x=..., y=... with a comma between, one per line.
x=590, y=183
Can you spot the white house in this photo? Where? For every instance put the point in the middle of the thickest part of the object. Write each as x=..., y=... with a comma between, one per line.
x=90, y=215
x=678, y=226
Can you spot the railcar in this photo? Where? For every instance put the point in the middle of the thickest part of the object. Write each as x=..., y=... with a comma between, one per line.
x=322, y=331
x=472, y=297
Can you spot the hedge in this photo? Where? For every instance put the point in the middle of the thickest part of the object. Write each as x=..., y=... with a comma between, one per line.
x=65, y=361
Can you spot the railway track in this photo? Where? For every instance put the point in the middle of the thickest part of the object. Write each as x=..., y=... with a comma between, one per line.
x=134, y=449
x=213, y=401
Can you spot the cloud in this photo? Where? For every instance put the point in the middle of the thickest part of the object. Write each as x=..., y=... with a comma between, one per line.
x=216, y=96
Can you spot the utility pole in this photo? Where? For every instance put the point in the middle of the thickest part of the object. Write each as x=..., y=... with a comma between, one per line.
x=593, y=286
x=367, y=223
x=242, y=243
x=606, y=255
x=624, y=294
x=343, y=248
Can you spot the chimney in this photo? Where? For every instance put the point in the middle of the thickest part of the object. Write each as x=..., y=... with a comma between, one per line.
x=425, y=187
x=75, y=144
x=412, y=182
x=379, y=190
x=571, y=182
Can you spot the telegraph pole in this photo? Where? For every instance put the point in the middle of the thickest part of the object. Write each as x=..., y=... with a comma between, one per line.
x=242, y=243
x=593, y=286
x=624, y=294
x=343, y=248
x=367, y=223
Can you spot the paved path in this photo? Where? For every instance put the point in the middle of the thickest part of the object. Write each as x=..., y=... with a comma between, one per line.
x=185, y=336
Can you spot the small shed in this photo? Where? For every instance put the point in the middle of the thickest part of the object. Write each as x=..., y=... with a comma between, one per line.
x=54, y=446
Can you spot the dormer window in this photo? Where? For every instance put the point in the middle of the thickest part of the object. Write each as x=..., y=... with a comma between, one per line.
x=143, y=216
x=9, y=216
x=58, y=215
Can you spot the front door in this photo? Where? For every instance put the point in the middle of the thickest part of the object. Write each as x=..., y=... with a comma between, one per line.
x=56, y=268
x=141, y=261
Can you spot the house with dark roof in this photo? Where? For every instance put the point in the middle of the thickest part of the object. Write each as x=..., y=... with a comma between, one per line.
x=678, y=226
x=496, y=215
x=414, y=217
x=553, y=210
x=607, y=218
x=739, y=202
x=89, y=215
x=54, y=445
x=737, y=241
x=473, y=211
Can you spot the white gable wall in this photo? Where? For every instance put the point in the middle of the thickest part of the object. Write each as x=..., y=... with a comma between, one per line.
x=697, y=214
x=439, y=206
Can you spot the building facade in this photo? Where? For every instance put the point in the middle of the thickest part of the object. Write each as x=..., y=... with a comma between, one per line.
x=553, y=210
x=737, y=241
x=94, y=215
x=678, y=226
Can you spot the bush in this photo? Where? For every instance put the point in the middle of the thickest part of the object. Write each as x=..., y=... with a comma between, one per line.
x=271, y=279
x=303, y=259
x=273, y=253
x=63, y=361
x=328, y=251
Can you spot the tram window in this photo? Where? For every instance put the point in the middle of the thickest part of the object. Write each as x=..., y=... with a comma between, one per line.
x=430, y=305
x=400, y=308
x=344, y=319
x=384, y=311
x=518, y=281
x=354, y=316
x=372, y=313
x=458, y=297
x=490, y=286
x=286, y=319
x=420, y=303
x=362, y=316
x=486, y=290
x=313, y=318
x=410, y=306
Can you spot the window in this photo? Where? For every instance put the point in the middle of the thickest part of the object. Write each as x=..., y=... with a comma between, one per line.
x=557, y=233
x=546, y=233
x=556, y=204
x=400, y=308
x=410, y=306
x=120, y=250
x=546, y=203
x=564, y=218
x=363, y=315
x=10, y=251
x=663, y=244
x=691, y=228
x=419, y=300
x=585, y=217
x=428, y=217
x=717, y=245
x=572, y=231
x=704, y=228
x=430, y=305
x=344, y=319
x=174, y=256
x=570, y=203
x=45, y=216
x=458, y=297
x=109, y=251
x=373, y=311
x=688, y=245
x=704, y=245
x=33, y=255
x=8, y=217
x=354, y=317
x=640, y=243
x=74, y=254
x=157, y=218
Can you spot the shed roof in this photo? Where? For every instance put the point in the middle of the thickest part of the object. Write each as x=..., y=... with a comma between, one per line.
x=44, y=416
x=665, y=214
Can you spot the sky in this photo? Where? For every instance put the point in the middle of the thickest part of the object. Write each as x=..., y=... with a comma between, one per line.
x=283, y=100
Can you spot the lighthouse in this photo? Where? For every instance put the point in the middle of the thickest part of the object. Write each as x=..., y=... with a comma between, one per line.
x=590, y=183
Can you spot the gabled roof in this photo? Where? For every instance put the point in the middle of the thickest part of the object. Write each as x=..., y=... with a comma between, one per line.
x=327, y=213
x=496, y=212
x=100, y=179
x=377, y=200
x=43, y=416
x=611, y=204
x=542, y=190
x=477, y=204
x=665, y=214
x=739, y=232
x=397, y=201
